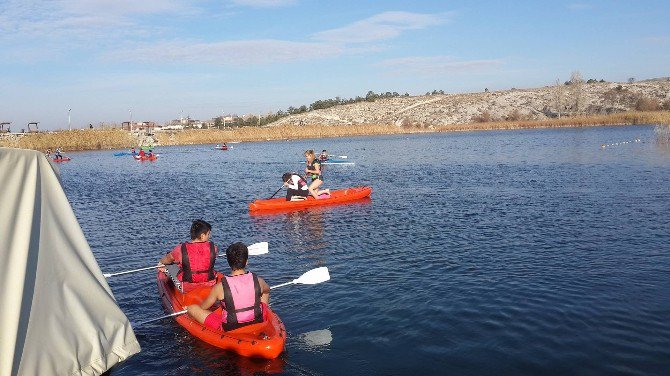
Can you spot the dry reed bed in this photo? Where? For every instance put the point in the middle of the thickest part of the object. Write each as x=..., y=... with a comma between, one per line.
x=116, y=138
x=215, y=136
x=89, y=139
x=623, y=118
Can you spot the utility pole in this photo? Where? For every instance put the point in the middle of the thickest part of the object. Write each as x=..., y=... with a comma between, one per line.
x=130, y=111
x=223, y=116
x=69, y=123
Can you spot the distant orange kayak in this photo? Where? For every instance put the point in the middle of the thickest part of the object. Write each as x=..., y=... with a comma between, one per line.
x=336, y=197
x=138, y=158
x=263, y=340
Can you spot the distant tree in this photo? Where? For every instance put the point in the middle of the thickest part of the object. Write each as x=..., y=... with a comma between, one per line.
x=370, y=96
x=514, y=116
x=557, y=97
x=484, y=117
x=647, y=104
x=601, y=80
x=576, y=88
x=406, y=94
x=631, y=80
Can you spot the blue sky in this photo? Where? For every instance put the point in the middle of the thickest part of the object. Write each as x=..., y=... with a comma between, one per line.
x=163, y=59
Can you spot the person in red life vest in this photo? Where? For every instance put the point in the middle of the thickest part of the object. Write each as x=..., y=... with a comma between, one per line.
x=243, y=295
x=142, y=153
x=196, y=258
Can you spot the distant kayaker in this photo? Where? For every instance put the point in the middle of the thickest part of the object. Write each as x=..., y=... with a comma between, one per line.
x=58, y=155
x=48, y=152
x=313, y=170
x=323, y=156
x=132, y=151
x=142, y=154
x=196, y=258
x=151, y=154
x=243, y=295
x=296, y=187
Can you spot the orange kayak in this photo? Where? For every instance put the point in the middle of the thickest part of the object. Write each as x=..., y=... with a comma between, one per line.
x=137, y=157
x=263, y=340
x=64, y=159
x=336, y=197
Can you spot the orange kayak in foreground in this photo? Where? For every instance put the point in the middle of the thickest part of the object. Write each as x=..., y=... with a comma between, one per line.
x=263, y=340
x=336, y=197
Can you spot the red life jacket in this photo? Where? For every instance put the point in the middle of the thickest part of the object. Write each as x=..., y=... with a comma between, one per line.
x=194, y=267
x=241, y=301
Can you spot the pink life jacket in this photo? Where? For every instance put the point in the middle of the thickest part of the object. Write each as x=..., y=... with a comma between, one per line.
x=197, y=262
x=241, y=301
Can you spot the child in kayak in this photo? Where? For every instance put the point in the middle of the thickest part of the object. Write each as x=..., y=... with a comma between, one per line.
x=313, y=170
x=323, y=156
x=195, y=259
x=296, y=187
x=243, y=295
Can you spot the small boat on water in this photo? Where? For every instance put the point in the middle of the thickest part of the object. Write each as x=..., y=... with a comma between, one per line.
x=221, y=147
x=336, y=197
x=59, y=160
x=146, y=158
x=263, y=340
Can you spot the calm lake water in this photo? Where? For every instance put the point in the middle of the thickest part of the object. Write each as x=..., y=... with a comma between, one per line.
x=493, y=253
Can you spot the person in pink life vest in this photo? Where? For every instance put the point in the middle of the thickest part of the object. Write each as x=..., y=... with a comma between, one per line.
x=243, y=295
x=195, y=258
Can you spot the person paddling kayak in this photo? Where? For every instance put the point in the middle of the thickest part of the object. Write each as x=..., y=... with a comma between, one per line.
x=323, y=156
x=195, y=259
x=243, y=295
x=313, y=170
x=296, y=187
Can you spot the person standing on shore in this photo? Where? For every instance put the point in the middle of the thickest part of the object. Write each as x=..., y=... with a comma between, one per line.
x=313, y=170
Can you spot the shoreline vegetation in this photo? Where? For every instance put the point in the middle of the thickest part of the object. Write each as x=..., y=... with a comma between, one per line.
x=104, y=139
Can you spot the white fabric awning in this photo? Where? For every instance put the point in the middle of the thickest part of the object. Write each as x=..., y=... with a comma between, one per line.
x=58, y=315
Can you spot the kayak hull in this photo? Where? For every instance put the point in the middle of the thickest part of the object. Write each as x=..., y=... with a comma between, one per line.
x=64, y=159
x=138, y=158
x=263, y=340
x=336, y=197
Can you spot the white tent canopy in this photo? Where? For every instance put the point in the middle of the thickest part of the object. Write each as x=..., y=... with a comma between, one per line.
x=58, y=316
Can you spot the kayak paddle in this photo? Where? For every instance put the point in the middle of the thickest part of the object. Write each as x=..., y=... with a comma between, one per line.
x=254, y=250
x=311, y=277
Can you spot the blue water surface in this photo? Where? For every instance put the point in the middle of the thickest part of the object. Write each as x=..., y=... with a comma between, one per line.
x=533, y=252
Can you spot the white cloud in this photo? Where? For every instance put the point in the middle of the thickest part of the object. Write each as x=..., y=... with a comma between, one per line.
x=264, y=3
x=80, y=19
x=382, y=26
x=226, y=53
x=427, y=66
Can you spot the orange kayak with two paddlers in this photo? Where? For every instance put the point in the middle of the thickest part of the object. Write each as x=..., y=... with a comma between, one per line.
x=336, y=197
x=263, y=340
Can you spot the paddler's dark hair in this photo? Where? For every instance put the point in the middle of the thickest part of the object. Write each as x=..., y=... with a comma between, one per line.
x=237, y=255
x=286, y=176
x=199, y=227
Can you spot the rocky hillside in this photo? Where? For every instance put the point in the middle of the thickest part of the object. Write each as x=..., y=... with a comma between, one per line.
x=516, y=104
